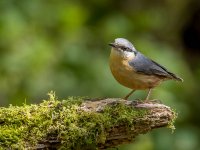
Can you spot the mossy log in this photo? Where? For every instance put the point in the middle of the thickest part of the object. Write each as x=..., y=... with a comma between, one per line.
x=76, y=123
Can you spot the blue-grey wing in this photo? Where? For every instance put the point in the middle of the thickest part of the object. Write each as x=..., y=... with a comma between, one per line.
x=144, y=65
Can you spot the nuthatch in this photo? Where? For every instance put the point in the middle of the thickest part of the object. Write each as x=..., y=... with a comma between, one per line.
x=135, y=71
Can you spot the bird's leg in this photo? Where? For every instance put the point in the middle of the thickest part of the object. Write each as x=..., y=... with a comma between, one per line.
x=148, y=95
x=129, y=94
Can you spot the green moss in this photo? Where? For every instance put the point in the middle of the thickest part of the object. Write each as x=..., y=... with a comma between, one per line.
x=22, y=127
x=120, y=113
x=172, y=121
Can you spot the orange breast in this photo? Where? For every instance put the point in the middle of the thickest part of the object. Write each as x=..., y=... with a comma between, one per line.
x=126, y=75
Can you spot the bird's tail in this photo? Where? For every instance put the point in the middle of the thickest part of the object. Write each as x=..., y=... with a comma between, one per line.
x=175, y=77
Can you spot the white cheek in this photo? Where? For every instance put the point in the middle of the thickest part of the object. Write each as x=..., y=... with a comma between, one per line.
x=122, y=53
x=128, y=54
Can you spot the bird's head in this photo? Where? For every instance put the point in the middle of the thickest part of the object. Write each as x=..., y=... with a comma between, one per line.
x=123, y=48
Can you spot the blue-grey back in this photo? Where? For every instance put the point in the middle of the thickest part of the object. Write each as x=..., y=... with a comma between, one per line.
x=144, y=65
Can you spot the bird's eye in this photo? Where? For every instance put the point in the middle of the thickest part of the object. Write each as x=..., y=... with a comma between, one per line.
x=123, y=48
x=126, y=49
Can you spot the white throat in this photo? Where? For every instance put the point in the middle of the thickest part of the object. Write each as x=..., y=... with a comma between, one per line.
x=124, y=54
x=128, y=54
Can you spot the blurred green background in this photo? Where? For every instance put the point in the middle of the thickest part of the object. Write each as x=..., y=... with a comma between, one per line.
x=63, y=46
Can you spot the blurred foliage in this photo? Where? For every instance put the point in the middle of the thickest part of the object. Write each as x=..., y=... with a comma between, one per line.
x=62, y=46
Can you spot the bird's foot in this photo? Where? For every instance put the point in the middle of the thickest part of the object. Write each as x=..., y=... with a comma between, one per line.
x=157, y=101
x=153, y=101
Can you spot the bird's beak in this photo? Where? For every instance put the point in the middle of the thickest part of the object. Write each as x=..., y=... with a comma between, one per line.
x=112, y=44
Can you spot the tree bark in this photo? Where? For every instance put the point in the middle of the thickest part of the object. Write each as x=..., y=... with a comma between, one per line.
x=158, y=115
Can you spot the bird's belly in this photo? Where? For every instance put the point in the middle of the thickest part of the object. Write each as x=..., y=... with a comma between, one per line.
x=127, y=76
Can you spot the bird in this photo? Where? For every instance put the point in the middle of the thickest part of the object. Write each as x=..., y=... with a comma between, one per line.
x=134, y=70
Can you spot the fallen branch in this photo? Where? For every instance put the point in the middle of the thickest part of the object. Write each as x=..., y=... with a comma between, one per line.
x=78, y=124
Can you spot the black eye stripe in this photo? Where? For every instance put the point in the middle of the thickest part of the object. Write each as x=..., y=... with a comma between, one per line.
x=126, y=49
